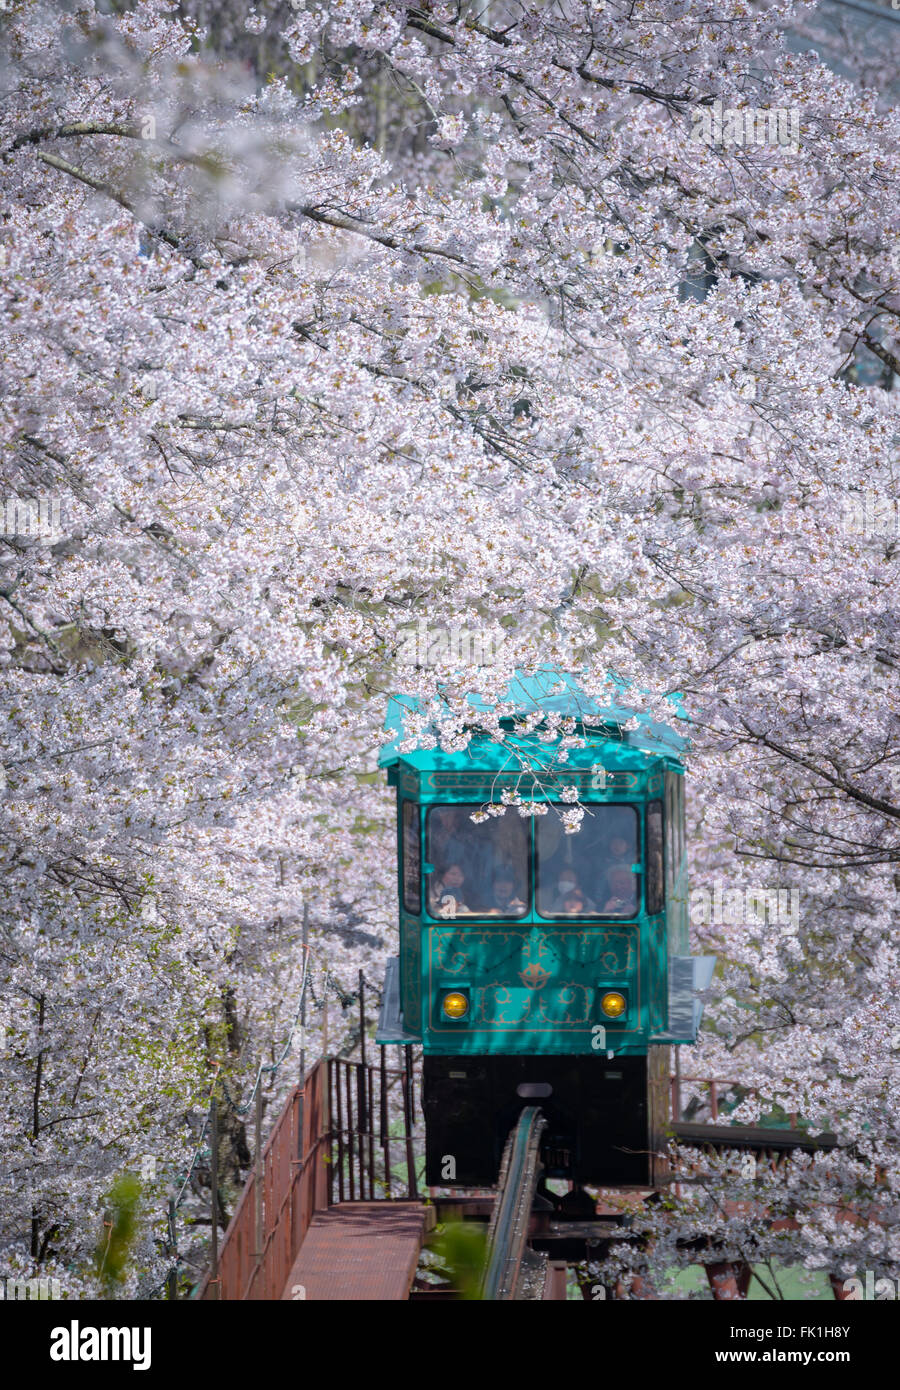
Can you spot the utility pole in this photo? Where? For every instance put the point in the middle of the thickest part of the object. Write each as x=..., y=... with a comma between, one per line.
x=172, y=1277
x=214, y=1183
x=306, y=978
x=258, y=1166
x=301, y=1099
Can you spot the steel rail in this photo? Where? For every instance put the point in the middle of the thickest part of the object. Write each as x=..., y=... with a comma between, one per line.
x=508, y=1230
x=750, y=1137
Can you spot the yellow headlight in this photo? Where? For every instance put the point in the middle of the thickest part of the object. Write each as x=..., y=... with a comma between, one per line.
x=613, y=1004
x=455, y=1005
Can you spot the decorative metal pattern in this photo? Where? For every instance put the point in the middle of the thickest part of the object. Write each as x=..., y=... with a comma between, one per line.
x=411, y=981
x=466, y=781
x=525, y=783
x=656, y=932
x=531, y=977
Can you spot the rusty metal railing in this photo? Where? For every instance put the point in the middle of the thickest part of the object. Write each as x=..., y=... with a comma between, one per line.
x=362, y=1167
x=716, y=1088
x=331, y=1142
x=261, y=1242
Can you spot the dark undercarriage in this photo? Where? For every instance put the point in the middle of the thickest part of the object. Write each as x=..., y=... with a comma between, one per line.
x=604, y=1116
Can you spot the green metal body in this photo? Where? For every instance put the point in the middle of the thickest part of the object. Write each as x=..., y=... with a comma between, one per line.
x=534, y=984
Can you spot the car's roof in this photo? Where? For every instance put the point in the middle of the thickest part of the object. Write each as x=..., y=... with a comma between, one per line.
x=549, y=689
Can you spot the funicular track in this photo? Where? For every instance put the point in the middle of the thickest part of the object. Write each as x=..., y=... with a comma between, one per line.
x=322, y=1218
x=508, y=1263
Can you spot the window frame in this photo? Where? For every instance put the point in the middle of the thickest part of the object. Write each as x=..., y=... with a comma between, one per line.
x=483, y=914
x=592, y=916
x=405, y=858
x=674, y=829
x=654, y=911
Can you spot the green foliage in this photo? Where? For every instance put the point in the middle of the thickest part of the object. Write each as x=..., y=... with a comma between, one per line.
x=463, y=1248
x=119, y=1232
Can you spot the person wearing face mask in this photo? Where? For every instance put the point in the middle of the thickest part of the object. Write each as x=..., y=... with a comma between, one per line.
x=567, y=884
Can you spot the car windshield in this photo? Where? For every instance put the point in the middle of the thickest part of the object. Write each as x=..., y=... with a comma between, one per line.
x=589, y=874
x=480, y=869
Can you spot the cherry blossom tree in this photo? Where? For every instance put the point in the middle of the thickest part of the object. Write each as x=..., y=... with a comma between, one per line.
x=337, y=318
